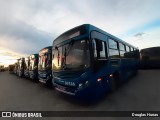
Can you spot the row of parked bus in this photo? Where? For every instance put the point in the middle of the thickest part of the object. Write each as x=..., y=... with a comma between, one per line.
x=82, y=61
x=36, y=66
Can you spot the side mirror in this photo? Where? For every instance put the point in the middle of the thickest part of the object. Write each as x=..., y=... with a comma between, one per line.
x=99, y=45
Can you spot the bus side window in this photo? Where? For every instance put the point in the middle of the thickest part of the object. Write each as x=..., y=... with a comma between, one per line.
x=121, y=50
x=99, y=49
x=127, y=48
x=132, y=49
x=113, y=49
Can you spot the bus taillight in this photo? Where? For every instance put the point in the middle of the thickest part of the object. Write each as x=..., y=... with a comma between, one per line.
x=99, y=79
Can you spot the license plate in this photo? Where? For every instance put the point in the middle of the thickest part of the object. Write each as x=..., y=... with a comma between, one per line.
x=61, y=88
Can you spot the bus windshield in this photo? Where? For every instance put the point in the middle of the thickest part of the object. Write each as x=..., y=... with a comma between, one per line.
x=32, y=64
x=72, y=56
x=44, y=60
x=26, y=64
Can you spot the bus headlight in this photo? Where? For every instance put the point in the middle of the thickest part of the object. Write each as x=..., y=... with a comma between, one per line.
x=80, y=85
x=86, y=82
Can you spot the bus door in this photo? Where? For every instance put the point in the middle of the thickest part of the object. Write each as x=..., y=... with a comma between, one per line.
x=99, y=50
x=114, y=53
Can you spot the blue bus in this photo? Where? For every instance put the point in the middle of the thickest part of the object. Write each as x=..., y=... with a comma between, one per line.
x=89, y=61
x=33, y=67
x=45, y=65
x=20, y=68
x=26, y=67
x=15, y=68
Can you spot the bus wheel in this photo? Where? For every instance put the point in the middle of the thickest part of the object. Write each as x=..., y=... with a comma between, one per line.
x=36, y=80
x=114, y=82
x=49, y=83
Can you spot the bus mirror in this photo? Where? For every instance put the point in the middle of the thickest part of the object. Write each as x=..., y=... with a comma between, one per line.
x=99, y=45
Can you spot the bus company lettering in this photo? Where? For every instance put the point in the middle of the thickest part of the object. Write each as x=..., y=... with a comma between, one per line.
x=69, y=83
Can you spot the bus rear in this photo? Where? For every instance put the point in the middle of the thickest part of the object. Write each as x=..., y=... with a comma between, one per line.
x=45, y=65
x=84, y=64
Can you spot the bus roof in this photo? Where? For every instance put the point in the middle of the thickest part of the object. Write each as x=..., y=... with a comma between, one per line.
x=48, y=47
x=90, y=28
x=151, y=48
x=45, y=50
x=35, y=55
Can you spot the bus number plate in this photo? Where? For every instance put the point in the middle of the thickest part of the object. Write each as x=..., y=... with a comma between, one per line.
x=61, y=88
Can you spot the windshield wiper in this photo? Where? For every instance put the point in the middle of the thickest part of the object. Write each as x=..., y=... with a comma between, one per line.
x=66, y=52
x=56, y=48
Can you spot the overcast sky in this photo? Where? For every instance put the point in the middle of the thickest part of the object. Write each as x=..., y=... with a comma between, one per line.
x=26, y=26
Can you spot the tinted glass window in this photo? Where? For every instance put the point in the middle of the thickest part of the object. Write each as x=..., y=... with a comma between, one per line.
x=70, y=34
x=121, y=46
x=74, y=55
x=127, y=49
x=99, y=49
x=102, y=52
x=114, y=53
x=112, y=44
x=122, y=53
x=132, y=49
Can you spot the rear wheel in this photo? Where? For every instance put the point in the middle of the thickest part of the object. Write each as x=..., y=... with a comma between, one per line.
x=114, y=82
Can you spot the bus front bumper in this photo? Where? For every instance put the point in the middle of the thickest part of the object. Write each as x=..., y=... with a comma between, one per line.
x=73, y=90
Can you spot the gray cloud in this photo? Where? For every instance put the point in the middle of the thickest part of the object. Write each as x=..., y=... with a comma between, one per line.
x=18, y=35
x=139, y=34
x=10, y=54
x=26, y=26
x=23, y=38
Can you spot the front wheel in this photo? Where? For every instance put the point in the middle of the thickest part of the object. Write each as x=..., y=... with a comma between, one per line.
x=49, y=82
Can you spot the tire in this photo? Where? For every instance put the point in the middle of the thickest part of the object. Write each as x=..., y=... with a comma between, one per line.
x=49, y=84
x=114, y=82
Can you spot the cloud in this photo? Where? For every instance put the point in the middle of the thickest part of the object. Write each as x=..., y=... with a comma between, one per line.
x=29, y=25
x=9, y=53
x=151, y=38
x=23, y=38
x=139, y=34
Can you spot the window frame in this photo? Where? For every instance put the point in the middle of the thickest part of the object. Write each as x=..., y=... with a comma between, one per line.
x=95, y=49
x=109, y=38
